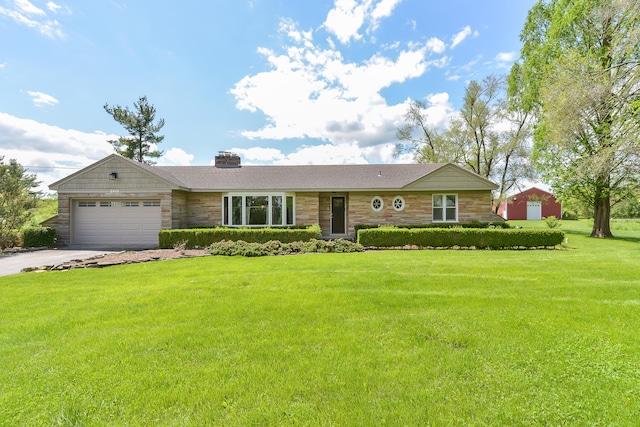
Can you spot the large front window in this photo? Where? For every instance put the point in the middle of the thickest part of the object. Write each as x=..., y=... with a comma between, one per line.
x=445, y=208
x=258, y=210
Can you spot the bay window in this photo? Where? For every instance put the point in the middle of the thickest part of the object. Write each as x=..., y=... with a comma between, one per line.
x=258, y=210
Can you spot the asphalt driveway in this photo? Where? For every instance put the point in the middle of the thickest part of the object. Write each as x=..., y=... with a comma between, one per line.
x=14, y=263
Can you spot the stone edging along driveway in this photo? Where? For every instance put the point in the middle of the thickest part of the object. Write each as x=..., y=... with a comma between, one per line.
x=68, y=258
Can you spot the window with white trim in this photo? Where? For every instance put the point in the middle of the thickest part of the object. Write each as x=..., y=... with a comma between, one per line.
x=151, y=203
x=130, y=204
x=84, y=204
x=445, y=208
x=398, y=203
x=258, y=210
x=108, y=204
x=377, y=204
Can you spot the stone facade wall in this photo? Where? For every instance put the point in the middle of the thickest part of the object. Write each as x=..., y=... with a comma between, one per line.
x=472, y=206
x=179, y=209
x=307, y=208
x=324, y=213
x=203, y=210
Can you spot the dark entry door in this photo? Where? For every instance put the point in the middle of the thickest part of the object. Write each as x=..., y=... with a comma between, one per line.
x=338, y=217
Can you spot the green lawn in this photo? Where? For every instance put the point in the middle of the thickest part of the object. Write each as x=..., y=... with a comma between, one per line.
x=410, y=338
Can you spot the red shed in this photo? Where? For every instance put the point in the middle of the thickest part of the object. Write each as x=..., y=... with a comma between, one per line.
x=531, y=204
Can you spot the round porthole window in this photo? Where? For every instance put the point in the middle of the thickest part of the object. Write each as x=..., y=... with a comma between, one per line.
x=398, y=203
x=377, y=204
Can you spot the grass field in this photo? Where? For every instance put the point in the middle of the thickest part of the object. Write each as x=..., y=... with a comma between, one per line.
x=378, y=338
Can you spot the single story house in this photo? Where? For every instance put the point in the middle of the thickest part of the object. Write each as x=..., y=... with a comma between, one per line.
x=117, y=201
x=531, y=204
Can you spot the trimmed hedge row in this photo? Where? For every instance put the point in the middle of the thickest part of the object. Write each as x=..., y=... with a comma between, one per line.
x=203, y=237
x=38, y=237
x=386, y=237
x=474, y=224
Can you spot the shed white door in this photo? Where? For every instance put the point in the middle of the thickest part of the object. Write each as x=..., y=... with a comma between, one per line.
x=122, y=222
x=534, y=210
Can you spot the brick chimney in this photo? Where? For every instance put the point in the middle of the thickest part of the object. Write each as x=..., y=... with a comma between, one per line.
x=227, y=159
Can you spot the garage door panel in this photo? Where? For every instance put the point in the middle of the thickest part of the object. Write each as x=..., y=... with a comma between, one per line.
x=117, y=222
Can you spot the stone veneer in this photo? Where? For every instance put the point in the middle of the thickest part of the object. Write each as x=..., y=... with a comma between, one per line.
x=472, y=206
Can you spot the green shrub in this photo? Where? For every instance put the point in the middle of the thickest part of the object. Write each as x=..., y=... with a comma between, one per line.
x=38, y=237
x=274, y=247
x=9, y=239
x=464, y=237
x=552, y=221
x=474, y=224
x=204, y=237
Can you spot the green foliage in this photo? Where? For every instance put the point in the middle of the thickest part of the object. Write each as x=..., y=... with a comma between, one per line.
x=275, y=247
x=552, y=221
x=144, y=137
x=46, y=207
x=629, y=208
x=17, y=198
x=474, y=224
x=579, y=74
x=463, y=237
x=204, y=237
x=38, y=237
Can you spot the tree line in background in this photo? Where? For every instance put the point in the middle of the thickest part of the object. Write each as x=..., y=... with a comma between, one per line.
x=571, y=114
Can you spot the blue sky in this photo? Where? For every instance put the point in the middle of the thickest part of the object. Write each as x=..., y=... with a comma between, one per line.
x=277, y=81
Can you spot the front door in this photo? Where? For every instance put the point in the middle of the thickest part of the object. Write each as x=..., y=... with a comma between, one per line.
x=338, y=215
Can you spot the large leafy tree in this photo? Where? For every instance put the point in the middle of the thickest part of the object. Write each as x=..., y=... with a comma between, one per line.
x=17, y=198
x=486, y=136
x=579, y=75
x=143, y=132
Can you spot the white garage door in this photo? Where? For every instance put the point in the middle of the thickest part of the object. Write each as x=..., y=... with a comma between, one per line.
x=534, y=210
x=122, y=222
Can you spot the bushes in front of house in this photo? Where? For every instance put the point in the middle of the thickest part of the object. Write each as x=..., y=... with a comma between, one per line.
x=474, y=224
x=29, y=237
x=38, y=237
x=204, y=237
x=491, y=238
x=275, y=247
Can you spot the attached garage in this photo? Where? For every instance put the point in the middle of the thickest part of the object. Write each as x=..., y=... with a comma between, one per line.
x=116, y=222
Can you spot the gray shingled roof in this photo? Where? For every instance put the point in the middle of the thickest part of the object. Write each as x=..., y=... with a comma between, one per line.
x=292, y=178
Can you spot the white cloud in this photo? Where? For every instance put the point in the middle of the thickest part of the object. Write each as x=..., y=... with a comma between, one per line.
x=2, y=65
x=345, y=20
x=58, y=9
x=25, y=13
x=175, y=157
x=53, y=7
x=312, y=92
x=26, y=7
x=41, y=99
x=436, y=45
x=348, y=16
x=50, y=151
x=258, y=154
x=323, y=154
x=383, y=9
x=439, y=109
x=461, y=36
x=505, y=56
x=454, y=78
